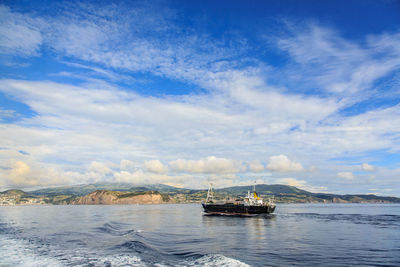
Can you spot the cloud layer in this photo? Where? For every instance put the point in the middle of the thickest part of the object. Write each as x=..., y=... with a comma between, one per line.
x=325, y=114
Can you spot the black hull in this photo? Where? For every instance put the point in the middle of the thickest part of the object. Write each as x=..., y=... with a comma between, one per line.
x=235, y=209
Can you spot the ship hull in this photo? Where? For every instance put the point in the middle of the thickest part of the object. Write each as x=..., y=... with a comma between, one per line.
x=235, y=209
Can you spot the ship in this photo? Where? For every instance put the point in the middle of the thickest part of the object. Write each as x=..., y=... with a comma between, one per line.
x=250, y=205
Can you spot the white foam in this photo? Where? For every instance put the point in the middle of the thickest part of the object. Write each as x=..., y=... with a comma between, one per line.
x=121, y=260
x=20, y=253
x=216, y=260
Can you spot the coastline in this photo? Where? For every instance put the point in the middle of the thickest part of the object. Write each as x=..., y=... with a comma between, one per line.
x=99, y=194
x=198, y=203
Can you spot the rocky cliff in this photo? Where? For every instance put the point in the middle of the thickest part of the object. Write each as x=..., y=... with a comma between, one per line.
x=105, y=197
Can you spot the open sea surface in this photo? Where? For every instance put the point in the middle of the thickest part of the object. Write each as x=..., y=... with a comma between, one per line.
x=180, y=235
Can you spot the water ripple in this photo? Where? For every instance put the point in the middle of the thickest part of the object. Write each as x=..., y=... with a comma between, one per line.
x=115, y=229
x=382, y=221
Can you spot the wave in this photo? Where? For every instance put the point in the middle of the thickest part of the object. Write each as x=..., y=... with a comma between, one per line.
x=115, y=229
x=138, y=247
x=32, y=252
x=22, y=253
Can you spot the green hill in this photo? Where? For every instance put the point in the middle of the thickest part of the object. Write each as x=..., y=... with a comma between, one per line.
x=81, y=190
x=15, y=192
x=281, y=193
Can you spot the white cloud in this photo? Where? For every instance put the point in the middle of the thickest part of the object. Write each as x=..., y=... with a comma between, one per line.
x=143, y=37
x=282, y=163
x=94, y=71
x=206, y=165
x=155, y=166
x=339, y=65
x=240, y=116
x=21, y=174
x=249, y=91
x=256, y=166
x=111, y=125
x=346, y=175
x=127, y=165
x=367, y=167
x=98, y=172
x=99, y=168
x=19, y=34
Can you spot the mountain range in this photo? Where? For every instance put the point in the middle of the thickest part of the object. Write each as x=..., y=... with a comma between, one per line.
x=280, y=193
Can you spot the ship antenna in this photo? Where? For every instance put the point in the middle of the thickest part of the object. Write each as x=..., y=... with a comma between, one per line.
x=254, y=186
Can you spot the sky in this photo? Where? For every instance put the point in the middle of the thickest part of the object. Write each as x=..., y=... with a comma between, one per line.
x=184, y=93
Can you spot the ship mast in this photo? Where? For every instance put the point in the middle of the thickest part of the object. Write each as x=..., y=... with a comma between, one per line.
x=210, y=194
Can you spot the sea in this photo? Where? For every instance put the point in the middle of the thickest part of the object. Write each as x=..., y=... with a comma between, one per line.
x=181, y=235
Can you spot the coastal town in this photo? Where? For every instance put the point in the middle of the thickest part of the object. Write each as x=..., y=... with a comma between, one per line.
x=17, y=197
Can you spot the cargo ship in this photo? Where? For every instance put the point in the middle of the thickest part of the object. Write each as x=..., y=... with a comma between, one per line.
x=250, y=205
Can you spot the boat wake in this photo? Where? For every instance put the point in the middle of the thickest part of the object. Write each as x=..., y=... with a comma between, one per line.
x=25, y=254
x=32, y=251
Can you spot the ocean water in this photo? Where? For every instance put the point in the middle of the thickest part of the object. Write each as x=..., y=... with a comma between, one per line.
x=180, y=235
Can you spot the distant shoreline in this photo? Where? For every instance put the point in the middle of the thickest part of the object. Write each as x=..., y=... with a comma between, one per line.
x=110, y=194
x=198, y=203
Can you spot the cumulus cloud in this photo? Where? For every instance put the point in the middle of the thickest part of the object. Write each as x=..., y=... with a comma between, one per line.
x=98, y=171
x=155, y=166
x=99, y=168
x=256, y=166
x=282, y=163
x=367, y=167
x=346, y=175
x=206, y=165
x=21, y=174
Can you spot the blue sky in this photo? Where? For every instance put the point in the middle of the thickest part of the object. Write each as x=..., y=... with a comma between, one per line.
x=304, y=93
